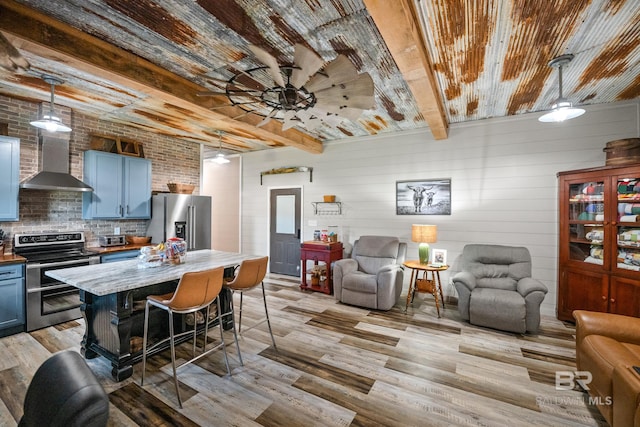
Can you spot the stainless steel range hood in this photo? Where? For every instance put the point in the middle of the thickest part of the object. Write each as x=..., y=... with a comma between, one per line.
x=54, y=158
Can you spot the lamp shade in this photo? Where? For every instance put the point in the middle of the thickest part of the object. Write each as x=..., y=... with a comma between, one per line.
x=423, y=233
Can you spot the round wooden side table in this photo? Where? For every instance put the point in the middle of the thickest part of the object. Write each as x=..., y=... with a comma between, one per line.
x=422, y=283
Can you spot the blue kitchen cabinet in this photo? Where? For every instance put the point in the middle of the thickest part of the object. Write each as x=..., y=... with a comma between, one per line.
x=121, y=186
x=9, y=178
x=12, y=311
x=119, y=256
x=137, y=187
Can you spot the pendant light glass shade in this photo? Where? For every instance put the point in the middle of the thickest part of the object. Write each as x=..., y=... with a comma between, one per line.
x=50, y=122
x=562, y=109
x=220, y=158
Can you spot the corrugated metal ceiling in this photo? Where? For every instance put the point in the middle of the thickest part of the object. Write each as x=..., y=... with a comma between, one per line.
x=489, y=58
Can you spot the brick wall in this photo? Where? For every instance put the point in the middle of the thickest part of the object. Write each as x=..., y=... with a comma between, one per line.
x=173, y=160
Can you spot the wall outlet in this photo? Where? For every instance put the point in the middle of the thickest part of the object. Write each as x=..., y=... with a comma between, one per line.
x=313, y=223
x=116, y=231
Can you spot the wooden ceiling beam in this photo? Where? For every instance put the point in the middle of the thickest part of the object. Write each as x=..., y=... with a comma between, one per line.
x=49, y=38
x=399, y=24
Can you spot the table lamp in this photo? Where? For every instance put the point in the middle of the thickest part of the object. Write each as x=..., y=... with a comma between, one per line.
x=424, y=234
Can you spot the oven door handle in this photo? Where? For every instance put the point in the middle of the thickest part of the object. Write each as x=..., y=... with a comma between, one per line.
x=80, y=263
x=49, y=288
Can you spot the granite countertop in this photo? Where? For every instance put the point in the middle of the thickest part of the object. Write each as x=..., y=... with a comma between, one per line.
x=110, y=278
x=101, y=250
x=9, y=258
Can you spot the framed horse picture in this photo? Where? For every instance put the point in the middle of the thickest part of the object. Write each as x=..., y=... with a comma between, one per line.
x=424, y=197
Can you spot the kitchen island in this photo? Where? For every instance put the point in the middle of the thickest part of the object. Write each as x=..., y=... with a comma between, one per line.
x=113, y=296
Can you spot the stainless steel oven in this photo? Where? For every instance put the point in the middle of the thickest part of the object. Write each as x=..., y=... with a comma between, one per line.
x=49, y=301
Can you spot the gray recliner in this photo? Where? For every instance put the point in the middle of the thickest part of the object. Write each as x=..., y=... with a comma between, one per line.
x=372, y=277
x=495, y=288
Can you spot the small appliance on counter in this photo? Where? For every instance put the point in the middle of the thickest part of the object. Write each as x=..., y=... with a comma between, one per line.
x=113, y=240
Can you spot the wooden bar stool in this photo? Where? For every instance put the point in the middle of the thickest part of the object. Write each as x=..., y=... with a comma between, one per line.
x=195, y=291
x=249, y=275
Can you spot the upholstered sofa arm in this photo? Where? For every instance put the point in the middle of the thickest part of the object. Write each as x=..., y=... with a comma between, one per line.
x=387, y=274
x=385, y=269
x=626, y=396
x=389, y=279
x=346, y=266
x=340, y=269
x=464, y=282
x=465, y=278
x=526, y=285
x=618, y=327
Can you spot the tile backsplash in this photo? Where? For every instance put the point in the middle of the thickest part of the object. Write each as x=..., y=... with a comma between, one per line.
x=54, y=211
x=173, y=160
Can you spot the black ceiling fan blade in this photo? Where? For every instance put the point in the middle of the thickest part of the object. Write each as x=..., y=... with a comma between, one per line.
x=234, y=104
x=211, y=93
x=235, y=92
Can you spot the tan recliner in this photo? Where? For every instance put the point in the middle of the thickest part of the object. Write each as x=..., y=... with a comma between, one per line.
x=608, y=346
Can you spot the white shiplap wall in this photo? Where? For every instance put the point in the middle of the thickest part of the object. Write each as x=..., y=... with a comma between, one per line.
x=222, y=183
x=503, y=172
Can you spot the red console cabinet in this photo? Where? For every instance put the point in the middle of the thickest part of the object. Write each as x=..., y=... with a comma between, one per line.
x=319, y=252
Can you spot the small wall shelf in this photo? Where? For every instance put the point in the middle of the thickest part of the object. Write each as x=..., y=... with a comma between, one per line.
x=327, y=208
x=291, y=169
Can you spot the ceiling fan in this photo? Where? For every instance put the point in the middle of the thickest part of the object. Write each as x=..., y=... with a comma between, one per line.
x=304, y=93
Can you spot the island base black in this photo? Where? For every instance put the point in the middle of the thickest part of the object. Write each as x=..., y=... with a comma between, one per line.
x=114, y=325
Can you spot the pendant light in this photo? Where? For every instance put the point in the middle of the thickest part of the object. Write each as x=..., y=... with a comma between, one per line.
x=562, y=109
x=220, y=158
x=50, y=121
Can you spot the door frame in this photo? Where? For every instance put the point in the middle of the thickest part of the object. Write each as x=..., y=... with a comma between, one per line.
x=283, y=187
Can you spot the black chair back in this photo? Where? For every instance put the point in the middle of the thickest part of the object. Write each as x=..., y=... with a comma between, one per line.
x=65, y=393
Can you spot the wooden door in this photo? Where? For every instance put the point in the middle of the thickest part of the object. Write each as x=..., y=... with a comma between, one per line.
x=285, y=222
x=624, y=296
x=581, y=290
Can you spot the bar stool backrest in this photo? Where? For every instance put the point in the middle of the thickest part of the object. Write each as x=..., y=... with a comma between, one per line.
x=250, y=274
x=197, y=289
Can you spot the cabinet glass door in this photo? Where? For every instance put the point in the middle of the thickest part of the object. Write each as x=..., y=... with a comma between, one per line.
x=586, y=222
x=628, y=223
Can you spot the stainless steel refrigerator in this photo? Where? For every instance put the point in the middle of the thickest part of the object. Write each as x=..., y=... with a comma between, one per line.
x=181, y=215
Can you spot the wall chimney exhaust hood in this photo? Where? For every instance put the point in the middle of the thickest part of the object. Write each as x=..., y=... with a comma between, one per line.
x=54, y=158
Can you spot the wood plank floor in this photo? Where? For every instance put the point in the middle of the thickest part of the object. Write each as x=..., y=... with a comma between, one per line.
x=335, y=365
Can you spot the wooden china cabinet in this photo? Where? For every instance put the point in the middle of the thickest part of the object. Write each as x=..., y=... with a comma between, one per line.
x=599, y=247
